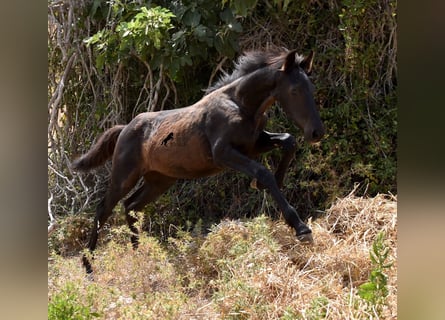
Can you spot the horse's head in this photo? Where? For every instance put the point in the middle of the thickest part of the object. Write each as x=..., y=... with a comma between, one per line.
x=294, y=92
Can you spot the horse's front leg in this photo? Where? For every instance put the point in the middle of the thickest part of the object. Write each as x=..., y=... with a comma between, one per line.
x=226, y=156
x=268, y=141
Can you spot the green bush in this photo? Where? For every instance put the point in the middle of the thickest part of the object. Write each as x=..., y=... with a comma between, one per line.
x=67, y=305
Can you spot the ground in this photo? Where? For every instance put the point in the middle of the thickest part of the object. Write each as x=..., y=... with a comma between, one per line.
x=252, y=269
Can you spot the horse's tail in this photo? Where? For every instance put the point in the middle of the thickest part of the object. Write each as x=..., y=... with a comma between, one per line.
x=100, y=152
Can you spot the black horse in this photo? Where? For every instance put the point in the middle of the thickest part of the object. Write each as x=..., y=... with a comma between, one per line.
x=225, y=129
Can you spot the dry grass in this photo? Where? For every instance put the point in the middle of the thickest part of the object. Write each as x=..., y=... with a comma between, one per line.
x=242, y=270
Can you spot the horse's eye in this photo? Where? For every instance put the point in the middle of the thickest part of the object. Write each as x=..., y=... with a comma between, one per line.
x=294, y=91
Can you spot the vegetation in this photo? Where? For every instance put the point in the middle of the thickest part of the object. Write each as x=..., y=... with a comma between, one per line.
x=375, y=290
x=65, y=304
x=242, y=269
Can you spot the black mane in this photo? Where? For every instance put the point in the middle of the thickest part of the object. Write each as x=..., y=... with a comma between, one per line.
x=251, y=61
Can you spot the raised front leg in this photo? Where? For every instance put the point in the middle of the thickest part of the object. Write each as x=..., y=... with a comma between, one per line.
x=268, y=141
x=225, y=155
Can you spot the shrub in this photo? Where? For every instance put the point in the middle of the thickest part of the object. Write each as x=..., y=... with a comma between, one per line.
x=375, y=290
x=67, y=305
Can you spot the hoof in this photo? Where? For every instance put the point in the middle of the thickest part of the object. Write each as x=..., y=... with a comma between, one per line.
x=89, y=277
x=306, y=238
x=87, y=265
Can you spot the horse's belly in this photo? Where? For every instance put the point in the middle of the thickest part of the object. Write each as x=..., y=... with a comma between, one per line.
x=185, y=172
x=180, y=156
x=185, y=164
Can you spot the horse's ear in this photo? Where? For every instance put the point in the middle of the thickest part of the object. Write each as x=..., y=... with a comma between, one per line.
x=306, y=64
x=289, y=62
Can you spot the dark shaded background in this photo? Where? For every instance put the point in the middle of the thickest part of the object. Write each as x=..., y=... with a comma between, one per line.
x=421, y=172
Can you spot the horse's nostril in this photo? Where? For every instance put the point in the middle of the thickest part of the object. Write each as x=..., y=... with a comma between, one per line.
x=317, y=134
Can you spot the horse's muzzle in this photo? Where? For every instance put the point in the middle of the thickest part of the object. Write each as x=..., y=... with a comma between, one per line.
x=317, y=134
x=314, y=135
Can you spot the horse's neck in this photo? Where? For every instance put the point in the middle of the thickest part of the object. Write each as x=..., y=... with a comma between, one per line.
x=254, y=94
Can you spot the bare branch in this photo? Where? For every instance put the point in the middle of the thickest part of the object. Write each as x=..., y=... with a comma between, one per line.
x=52, y=222
x=157, y=88
x=215, y=71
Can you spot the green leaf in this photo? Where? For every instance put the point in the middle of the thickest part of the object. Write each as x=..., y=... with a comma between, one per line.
x=242, y=7
x=96, y=4
x=220, y=46
x=186, y=60
x=227, y=15
x=178, y=35
x=235, y=26
x=200, y=32
x=366, y=291
x=192, y=18
x=95, y=38
x=100, y=61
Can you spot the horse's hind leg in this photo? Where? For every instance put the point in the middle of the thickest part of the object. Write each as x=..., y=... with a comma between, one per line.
x=122, y=181
x=154, y=186
x=130, y=219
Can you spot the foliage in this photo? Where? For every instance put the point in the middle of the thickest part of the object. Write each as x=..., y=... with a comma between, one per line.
x=375, y=291
x=67, y=305
x=109, y=60
x=143, y=35
x=172, y=37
